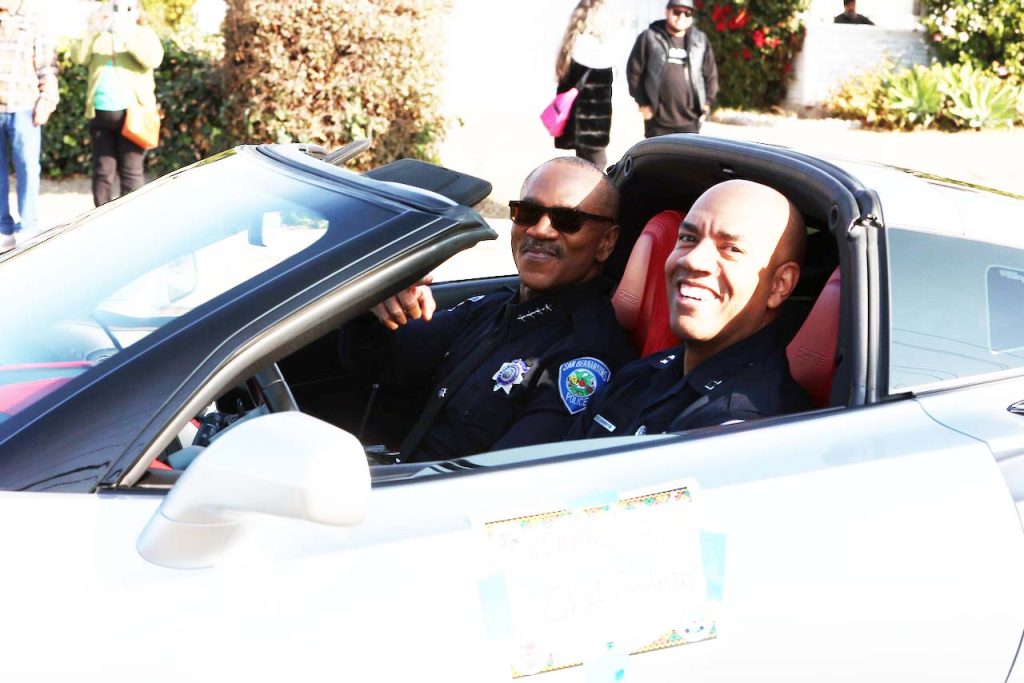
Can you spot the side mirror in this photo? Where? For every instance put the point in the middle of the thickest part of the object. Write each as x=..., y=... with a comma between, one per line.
x=284, y=464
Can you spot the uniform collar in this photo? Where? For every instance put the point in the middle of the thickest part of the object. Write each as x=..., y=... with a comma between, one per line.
x=726, y=363
x=546, y=307
x=670, y=385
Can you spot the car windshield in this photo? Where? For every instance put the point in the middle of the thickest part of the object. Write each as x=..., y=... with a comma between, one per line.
x=83, y=294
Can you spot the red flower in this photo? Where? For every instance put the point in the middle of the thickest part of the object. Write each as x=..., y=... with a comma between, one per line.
x=720, y=26
x=773, y=42
x=787, y=68
x=721, y=13
x=759, y=38
x=740, y=20
x=746, y=53
x=699, y=4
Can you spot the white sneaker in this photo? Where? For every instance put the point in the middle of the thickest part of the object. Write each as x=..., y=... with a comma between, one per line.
x=6, y=243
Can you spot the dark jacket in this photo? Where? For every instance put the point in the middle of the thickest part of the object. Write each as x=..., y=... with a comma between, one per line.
x=590, y=121
x=856, y=19
x=646, y=66
x=747, y=381
x=502, y=373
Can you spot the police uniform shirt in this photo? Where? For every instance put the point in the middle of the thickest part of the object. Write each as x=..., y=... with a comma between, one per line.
x=746, y=381
x=505, y=373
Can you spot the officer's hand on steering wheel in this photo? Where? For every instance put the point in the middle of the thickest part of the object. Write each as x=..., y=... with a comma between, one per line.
x=412, y=303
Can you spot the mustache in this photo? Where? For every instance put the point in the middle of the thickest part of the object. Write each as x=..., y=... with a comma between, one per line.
x=542, y=246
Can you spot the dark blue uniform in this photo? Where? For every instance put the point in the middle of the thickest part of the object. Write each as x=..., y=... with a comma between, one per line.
x=502, y=373
x=746, y=381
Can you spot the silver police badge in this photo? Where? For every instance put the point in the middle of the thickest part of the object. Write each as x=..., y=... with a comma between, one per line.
x=510, y=374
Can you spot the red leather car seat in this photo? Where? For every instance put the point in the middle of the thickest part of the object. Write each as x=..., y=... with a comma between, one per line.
x=640, y=301
x=812, y=353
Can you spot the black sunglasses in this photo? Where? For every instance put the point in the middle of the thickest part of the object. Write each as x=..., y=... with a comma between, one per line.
x=569, y=221
x=682, y=10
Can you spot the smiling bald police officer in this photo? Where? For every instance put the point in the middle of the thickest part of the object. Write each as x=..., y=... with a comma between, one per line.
x=736, y=260
x=513, y=367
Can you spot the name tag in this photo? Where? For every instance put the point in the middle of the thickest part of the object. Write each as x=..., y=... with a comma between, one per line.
x=604, y=423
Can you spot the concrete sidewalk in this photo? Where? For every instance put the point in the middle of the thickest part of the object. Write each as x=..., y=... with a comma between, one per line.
x=504, y=148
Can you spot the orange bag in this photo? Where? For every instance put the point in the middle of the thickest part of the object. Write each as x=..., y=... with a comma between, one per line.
x=142, y=126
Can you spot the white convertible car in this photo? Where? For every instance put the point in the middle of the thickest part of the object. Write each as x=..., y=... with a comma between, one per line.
x=875, y=538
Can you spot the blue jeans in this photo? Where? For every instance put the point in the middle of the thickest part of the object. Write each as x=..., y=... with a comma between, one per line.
x=25, y=140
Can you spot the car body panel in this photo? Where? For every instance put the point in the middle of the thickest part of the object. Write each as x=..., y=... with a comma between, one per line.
x=857, y=557
x=877, y=539
x=983, y=412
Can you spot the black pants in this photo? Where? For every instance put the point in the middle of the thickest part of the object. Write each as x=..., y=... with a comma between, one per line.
x=113, y=154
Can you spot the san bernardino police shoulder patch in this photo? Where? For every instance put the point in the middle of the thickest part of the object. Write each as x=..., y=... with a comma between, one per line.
x=579, y=379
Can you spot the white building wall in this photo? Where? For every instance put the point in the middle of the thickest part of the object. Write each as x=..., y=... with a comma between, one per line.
x=832, y=52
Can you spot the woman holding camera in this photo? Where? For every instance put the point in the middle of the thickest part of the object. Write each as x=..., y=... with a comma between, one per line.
x=121, y=53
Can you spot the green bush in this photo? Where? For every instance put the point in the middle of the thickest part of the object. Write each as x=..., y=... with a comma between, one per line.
x=190, y=93
x=755, y=43
x=979, y=100
x=66, y=146
x=330, y=71
x=915, y=96
x=190, y=90
x=951, y=97
x=862, y=97
x=988, y=34
x=169, y=17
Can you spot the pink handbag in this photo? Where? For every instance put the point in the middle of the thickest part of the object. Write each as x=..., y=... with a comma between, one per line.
x=556, y=115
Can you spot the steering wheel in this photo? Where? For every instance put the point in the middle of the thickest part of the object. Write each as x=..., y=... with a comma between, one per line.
x=275, y=389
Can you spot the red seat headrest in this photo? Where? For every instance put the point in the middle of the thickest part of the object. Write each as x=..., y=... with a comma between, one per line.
x=641, y=301
x=812, y=353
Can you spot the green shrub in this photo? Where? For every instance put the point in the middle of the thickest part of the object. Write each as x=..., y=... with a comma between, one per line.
x=979, y=100
x=862, y=97
x=988, y=34
x=915, y=96
x=190, y=93
x=951, y=97
x=66, y=146
x=330, y=71
x=190, y=90
x=169, y=17
x=755, y=43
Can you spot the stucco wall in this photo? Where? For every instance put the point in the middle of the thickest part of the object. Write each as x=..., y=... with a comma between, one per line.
x=832, y=52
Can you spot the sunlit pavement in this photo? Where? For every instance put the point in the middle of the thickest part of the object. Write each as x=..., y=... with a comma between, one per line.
x=990, y=158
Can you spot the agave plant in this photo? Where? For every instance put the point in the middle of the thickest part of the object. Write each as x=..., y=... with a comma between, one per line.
x=915, y=95
x=979, y=100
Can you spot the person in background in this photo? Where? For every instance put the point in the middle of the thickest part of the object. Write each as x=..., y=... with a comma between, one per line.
x=28, y=95
x=850, y=16
x=585, y=60
x=672, y=73
x=121, y=53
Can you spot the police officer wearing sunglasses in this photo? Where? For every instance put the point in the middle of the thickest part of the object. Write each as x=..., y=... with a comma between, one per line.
x=513, y=367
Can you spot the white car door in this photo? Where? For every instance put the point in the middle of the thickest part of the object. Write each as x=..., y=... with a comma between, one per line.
x=855, y=545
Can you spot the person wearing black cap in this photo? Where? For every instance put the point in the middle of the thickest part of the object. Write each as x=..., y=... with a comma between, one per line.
x=672, y=74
